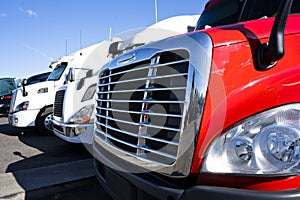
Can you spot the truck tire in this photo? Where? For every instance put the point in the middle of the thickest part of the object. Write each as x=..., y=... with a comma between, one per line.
x=43, y=122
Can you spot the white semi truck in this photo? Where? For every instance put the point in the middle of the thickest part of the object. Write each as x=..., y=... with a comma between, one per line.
x=32, y=105
x=73, y=107
x=73, y=118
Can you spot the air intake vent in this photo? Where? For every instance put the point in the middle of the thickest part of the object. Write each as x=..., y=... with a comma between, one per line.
x=58, y=103
x=140, y=106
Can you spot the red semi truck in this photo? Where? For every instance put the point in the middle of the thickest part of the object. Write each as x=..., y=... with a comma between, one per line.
x=211, y=114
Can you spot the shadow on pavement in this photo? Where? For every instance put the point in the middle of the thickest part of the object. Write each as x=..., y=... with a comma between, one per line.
x=33, y=150
x=51, y=150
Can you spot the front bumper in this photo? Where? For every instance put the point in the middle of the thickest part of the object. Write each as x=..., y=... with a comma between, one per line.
x=125, y=185
x=132, y=186
x=74, y=133
x=25, y=118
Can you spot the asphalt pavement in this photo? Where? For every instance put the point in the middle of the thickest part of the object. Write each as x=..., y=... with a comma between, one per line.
x=34, y=166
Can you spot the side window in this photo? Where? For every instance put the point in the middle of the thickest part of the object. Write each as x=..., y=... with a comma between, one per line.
x=268, y=8
x=259, y=9
x=222, y=12
x=296, y=6
x=219, y=12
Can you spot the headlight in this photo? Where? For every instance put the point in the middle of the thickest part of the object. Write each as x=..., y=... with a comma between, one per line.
x=83, y=115
x=22, y=106
x=267, y=143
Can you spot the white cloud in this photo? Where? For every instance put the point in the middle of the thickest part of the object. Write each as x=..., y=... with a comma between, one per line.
x=3, y=14
x=28, y=12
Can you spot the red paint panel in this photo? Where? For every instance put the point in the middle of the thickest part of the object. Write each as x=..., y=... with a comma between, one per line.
x=237, y=91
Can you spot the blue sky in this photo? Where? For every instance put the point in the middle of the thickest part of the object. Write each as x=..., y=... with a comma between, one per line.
x=34, y=31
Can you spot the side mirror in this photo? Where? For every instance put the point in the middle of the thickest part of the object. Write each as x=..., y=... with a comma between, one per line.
x=71, y=75
x=115, y=48
x=190, y=28
x=23, y=83
x=270, y=52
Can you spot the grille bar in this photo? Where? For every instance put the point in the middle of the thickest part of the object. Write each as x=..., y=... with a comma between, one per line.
x=139, y=101
x=146, y=136
x=145, y=124
x=144, y=79
x=146, y=67
x=143, y=112
x=119, y=130
x=138, y=146
x=150, y=89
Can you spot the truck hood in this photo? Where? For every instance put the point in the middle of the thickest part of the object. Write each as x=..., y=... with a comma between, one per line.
x=38, y=95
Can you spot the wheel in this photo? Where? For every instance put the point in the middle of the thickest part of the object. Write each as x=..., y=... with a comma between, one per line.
x=44, y=122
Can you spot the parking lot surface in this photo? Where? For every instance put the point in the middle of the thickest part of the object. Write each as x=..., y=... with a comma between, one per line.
x=34, y=166
x=22, y=149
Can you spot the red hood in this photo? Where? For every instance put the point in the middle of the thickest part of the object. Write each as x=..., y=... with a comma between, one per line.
x=236, y=89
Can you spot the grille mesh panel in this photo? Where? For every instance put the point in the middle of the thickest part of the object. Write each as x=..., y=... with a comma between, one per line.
x=140, y=106
x=58, y=103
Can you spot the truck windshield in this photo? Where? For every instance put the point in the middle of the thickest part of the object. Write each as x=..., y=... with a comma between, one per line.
x=38, y=78
x=222, y=12
x=7, y=85
x=57, y=72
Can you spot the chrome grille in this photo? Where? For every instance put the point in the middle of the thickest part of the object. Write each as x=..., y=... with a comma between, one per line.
x=140, y=106
x=58, y=103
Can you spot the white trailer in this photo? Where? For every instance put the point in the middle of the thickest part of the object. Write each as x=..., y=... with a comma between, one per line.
x=73, y=119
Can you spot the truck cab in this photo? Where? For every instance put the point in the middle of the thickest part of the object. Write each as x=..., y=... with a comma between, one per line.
x=32, y=105
x=211, y=114
x=73, y=108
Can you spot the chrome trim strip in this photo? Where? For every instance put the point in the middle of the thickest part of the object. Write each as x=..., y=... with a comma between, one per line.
x=146, y=136
x=139, y=101
x=150, y=89
x=144, y=124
